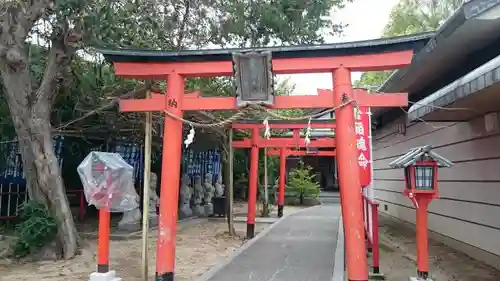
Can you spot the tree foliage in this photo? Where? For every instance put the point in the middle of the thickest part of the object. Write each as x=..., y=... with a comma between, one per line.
x=302, y=184
x=50, y=74
x=408, y=17
x=36, y=227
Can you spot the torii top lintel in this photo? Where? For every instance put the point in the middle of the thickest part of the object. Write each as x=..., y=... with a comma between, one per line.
x=370, y=55
x=374, y=55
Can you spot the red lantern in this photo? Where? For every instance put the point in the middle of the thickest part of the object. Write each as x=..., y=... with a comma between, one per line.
x=421, y=178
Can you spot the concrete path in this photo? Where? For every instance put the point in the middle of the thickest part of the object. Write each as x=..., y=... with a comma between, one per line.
x=299, y=247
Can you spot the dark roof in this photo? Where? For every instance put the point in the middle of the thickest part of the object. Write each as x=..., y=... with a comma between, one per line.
x=417, y=154
x=401, y=43
x=468, y=39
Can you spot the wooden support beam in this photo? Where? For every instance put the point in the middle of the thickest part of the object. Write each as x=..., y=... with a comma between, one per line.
x=324, y=99
x=365, y=98
x=320, y=125
x=286, y=143
x=290, y=152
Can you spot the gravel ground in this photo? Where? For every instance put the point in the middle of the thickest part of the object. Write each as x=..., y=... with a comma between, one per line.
x=398, y=257
x=200, y=246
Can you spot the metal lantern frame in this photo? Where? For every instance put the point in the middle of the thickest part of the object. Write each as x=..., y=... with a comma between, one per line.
x=421, y=170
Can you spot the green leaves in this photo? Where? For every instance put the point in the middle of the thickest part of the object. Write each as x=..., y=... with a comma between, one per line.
x=36, y=227
x=407, y=17
x=413, y=16
x=261, y=23
x=301, y=183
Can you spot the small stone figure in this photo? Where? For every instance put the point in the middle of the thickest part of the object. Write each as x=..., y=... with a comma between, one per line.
x=154, y=200
x=198, y=208
x=209, y=194
x=131, y=220
x=219, y=187
x=185, y=196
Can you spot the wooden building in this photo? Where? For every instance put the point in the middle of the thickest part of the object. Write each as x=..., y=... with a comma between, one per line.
x=454, y=91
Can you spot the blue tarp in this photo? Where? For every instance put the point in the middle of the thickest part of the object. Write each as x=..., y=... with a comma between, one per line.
x=12, y=172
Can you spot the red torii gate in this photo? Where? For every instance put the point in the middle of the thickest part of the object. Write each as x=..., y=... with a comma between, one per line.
x=255, y=142
x=283, y=153
x=340, y=60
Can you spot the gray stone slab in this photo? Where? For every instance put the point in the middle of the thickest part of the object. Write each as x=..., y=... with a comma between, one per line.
x=301, y=247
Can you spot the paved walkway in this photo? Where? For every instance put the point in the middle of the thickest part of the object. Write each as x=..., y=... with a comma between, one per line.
x=300, y=247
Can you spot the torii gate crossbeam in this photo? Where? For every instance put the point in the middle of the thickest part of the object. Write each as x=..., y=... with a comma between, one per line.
x=255, y=142
x=339, y=60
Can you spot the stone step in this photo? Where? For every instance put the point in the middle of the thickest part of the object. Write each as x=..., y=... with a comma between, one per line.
x=329, y=197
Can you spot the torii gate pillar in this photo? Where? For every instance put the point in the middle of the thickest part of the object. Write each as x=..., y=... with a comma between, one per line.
x=350, y=187
x=169, y=189
x=252, y=184
x=281, y=194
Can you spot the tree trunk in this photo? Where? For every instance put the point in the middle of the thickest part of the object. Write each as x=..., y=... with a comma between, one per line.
x=31, y=119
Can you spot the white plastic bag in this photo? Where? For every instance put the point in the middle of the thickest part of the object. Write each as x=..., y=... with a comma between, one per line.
x=108, y=182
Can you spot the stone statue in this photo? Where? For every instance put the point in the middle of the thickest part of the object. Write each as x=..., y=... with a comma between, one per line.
x=209, y=194
x=198, y=208
x=219, y=187
x=185, y=198
x=131, y=220
x=154, y=200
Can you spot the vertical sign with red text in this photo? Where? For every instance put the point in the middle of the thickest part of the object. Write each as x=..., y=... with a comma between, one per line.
x=362, y=128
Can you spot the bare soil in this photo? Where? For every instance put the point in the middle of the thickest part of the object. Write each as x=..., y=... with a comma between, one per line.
x=398, y=257
x=200, y=246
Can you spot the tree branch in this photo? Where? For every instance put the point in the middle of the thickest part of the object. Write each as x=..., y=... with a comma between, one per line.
x=182, y=27
x=64, y=45
x=135, y=92
x=36, y=10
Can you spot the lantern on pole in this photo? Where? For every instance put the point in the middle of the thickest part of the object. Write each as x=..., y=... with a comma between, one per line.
x=421, y=186
x=108, y=185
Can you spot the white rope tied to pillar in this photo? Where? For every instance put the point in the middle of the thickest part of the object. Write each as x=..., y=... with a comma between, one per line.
x=190, y=137
x=267, y=132
x=307, y=137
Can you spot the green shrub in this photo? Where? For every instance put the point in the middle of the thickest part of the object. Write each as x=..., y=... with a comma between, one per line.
x=301, y=184
x=35, y=229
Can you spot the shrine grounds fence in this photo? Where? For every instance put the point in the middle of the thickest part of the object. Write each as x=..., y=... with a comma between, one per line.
x=70, y=151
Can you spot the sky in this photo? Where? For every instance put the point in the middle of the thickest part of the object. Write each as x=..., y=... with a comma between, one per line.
x=366, y=20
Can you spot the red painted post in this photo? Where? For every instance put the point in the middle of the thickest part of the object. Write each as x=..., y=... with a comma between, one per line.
x=368, y=228
x=364, y=218
x=170, y=170
x=352, y=213
x=103, y=230
x=103, y=240
x=375, y=245
x=281, y=198
x=422, y=237
x=252, y=183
